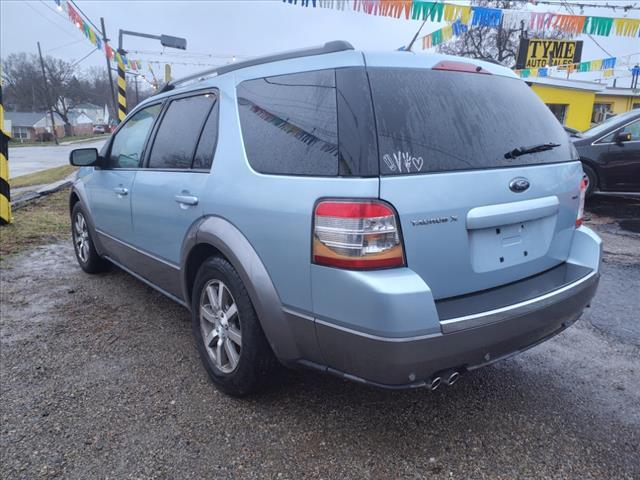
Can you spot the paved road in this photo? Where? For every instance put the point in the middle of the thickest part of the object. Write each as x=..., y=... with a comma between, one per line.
x=100, y=379
x=25, y=160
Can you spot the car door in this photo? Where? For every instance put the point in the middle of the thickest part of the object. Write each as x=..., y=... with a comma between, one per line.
x=168, y=189
x=109, y=188
x=620, y=162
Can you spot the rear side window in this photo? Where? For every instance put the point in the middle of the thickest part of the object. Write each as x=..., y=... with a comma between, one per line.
x=435, y=121
x=289, y=123
x=179, y=131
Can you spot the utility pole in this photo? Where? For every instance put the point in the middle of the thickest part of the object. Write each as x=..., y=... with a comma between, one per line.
x=48, y=98
x=113, y=95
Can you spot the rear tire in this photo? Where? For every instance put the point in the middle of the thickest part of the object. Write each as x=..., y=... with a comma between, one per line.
x=228, y=335
x=86, y=254
x=592, y=178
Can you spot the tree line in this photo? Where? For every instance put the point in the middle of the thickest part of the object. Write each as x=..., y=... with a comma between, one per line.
x=23, y=87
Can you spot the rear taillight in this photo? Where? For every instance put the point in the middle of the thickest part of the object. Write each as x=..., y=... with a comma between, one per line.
x=356, y=235
x=583, y=192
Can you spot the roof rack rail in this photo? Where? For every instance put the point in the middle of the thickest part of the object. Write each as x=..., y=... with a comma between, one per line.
x=329, y=47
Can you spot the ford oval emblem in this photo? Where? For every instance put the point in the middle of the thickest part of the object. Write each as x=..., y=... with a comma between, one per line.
x=519, y=184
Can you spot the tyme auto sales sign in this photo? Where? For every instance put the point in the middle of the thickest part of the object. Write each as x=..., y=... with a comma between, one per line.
x=544, y=52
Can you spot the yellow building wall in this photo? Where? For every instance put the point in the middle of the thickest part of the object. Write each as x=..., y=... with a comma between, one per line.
x=619, y=103
x=579, y=104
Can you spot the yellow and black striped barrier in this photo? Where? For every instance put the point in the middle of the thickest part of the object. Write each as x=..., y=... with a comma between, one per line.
x=122, y=90
x=5, y=196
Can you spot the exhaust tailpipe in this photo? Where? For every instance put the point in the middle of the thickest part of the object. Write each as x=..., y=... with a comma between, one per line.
x=450, y=377
x=435, y=383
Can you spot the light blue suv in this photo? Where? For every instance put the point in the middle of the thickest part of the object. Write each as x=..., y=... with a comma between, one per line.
x=397, y=219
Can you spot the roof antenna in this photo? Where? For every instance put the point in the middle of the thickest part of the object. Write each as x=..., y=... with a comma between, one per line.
x=415, y=37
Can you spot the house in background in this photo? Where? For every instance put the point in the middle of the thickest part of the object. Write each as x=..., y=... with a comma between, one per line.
x=579, y=104
x=33, y=126
x=81, y=123
x=98, y=115
x=614, y=100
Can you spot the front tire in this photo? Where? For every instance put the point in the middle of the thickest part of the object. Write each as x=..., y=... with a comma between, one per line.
x=86, y=254
x=228, y=335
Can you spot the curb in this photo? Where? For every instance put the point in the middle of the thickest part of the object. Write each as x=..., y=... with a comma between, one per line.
x=84, y=140
x=28, y=197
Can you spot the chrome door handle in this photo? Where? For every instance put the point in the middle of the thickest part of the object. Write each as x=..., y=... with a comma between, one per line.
x=121, y=190
x=186, y=199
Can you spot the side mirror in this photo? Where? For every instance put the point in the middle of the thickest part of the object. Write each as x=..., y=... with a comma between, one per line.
x=84, y=157
x=622, y=137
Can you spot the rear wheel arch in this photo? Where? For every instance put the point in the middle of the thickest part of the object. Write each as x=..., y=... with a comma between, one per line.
x=195, y=258
x=215, y=236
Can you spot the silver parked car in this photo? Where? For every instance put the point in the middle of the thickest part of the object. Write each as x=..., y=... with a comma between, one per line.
x=396, y=219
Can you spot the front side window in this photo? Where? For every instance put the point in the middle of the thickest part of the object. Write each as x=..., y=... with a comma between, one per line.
x=128, y=143
x=179, y=131
x=633, y=128
x=289, y=123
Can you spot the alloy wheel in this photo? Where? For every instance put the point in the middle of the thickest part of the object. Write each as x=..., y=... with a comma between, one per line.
x=220, y=326
x=81, y=237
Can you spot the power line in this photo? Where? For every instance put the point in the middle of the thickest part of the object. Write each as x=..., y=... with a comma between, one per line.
x=65, y=45
x=159, y=62
x=162, y=53
x=48, y=19
x=613, y=6
x=568, y=7
x=83, y=58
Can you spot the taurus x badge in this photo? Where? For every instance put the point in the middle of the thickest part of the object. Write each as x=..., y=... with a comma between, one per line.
x=519, y=184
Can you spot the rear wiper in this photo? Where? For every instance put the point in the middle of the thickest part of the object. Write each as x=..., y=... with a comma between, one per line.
x=516, y=152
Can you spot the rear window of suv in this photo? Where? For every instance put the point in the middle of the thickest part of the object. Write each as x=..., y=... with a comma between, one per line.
x=436, y=121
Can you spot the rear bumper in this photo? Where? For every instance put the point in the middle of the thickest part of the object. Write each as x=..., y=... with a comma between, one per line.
x=412, y=362
x=466, y=342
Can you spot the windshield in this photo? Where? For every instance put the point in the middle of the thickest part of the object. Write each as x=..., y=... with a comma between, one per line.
x=434, y=120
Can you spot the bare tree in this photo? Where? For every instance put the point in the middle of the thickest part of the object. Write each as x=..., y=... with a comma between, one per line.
x=23, y=86
x=22, y=83
x=494, y=44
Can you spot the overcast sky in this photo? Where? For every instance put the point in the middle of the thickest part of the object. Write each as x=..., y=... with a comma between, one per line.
x=240, y=28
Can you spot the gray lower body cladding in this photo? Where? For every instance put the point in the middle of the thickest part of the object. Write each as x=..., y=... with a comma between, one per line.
x=407, y=363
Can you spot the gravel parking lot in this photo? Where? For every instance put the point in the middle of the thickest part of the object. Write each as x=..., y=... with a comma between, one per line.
x=100, y=379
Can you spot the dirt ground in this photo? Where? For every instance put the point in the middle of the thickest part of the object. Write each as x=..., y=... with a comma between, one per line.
x=100, y=379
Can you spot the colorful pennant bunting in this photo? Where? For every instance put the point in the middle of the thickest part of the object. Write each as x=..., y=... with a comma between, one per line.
x=606, y=65
x=94, y=37
x=437, y=11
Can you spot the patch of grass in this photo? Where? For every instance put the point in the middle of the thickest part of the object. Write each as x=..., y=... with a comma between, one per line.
x=40, y=178
x=43, y=221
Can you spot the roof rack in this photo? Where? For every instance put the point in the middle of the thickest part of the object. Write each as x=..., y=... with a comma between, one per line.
x=329, y=47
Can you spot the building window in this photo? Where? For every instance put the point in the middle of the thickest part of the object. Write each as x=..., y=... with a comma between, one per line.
x=635, y=105
x=559, y=110
x=20, y=133
x=601, y=112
